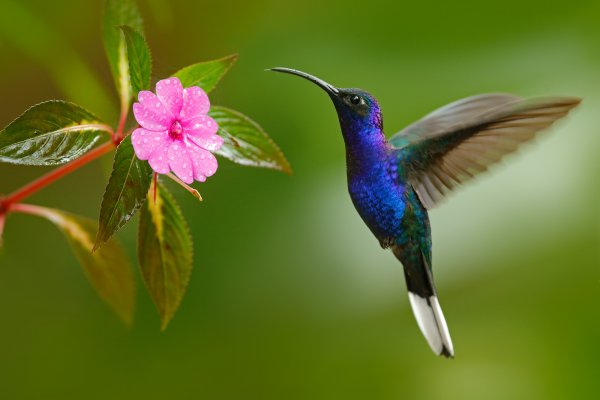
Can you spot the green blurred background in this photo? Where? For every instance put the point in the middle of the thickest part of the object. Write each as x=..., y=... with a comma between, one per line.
x=291, y=297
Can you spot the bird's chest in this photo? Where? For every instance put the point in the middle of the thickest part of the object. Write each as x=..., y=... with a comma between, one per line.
x=379, y=200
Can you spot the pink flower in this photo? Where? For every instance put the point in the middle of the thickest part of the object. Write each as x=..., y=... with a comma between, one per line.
x=176, y=134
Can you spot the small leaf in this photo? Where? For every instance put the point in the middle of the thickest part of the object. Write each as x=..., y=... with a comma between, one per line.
x=125, y=193
x=108, y=269
x=118, y=13
x=140, y=62
x=164, y=252
x=207, y=74
x=246, y=143
x=50, y=133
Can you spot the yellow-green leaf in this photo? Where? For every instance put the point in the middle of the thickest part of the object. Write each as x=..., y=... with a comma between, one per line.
x=165, y=252
x=108, y=269
x=140, y=62
x=116, y=14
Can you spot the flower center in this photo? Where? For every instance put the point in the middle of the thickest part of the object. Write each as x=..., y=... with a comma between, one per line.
x=175, y=130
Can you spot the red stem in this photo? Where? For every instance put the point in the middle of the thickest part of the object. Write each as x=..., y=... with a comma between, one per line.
x=54, y=175
x=2, y=220
x=118, y=135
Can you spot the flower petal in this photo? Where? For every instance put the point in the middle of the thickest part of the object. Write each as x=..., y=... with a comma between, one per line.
x=211, y=143
x=159, y=160
x=195, y=102
x=170, y=92
x=180, y=162
x=202, y=124
x=151, y=113
x=203, y=161
x=145, y=142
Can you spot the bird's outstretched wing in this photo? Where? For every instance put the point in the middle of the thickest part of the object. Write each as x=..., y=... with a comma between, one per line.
x=454, y=143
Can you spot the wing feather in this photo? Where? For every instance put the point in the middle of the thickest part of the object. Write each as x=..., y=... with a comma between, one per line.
x=451, y=145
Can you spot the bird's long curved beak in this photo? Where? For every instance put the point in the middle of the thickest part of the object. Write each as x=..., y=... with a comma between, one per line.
x=330, y=89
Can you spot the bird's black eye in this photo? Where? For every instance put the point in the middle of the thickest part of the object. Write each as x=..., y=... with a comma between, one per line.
x=354, y=99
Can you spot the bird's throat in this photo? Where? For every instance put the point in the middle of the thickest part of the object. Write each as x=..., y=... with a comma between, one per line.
x=364, y=147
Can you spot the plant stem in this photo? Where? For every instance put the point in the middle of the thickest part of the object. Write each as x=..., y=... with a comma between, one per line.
x=118, y=136
x=54, y=175
x=31, y=210
x=184, y=185
x=2, y=220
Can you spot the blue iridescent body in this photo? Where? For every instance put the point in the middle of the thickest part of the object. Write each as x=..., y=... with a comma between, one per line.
x=378, y=187
x=394, y=182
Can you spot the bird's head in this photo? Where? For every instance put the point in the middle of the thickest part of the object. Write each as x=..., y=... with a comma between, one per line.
x=357, y=110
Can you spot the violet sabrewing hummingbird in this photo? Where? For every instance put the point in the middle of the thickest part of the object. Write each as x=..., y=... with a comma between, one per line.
x=393, y=183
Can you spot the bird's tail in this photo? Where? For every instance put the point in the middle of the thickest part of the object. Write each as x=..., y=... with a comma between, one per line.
x=425, y=305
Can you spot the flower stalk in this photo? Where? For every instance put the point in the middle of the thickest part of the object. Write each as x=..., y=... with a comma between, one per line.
x=2, y=220
x=184, y=185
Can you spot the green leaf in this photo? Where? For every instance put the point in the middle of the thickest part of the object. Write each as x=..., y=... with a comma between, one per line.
x=164, y=252
x=246, y=143
x=116, y=14
x=125, y=193
x=205, y=74
x=108, y=269
x=140, y=62
x=50, y=133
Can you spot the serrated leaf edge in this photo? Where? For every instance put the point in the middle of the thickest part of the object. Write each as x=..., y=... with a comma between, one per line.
x=151, y=202
x=123, y=30
x=99, y=243
x=285, y=167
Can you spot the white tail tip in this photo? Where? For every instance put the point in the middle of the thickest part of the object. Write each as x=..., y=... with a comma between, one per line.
x=432, y=323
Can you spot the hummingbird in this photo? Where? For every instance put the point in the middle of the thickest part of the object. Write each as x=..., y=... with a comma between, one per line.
x=394, y=182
